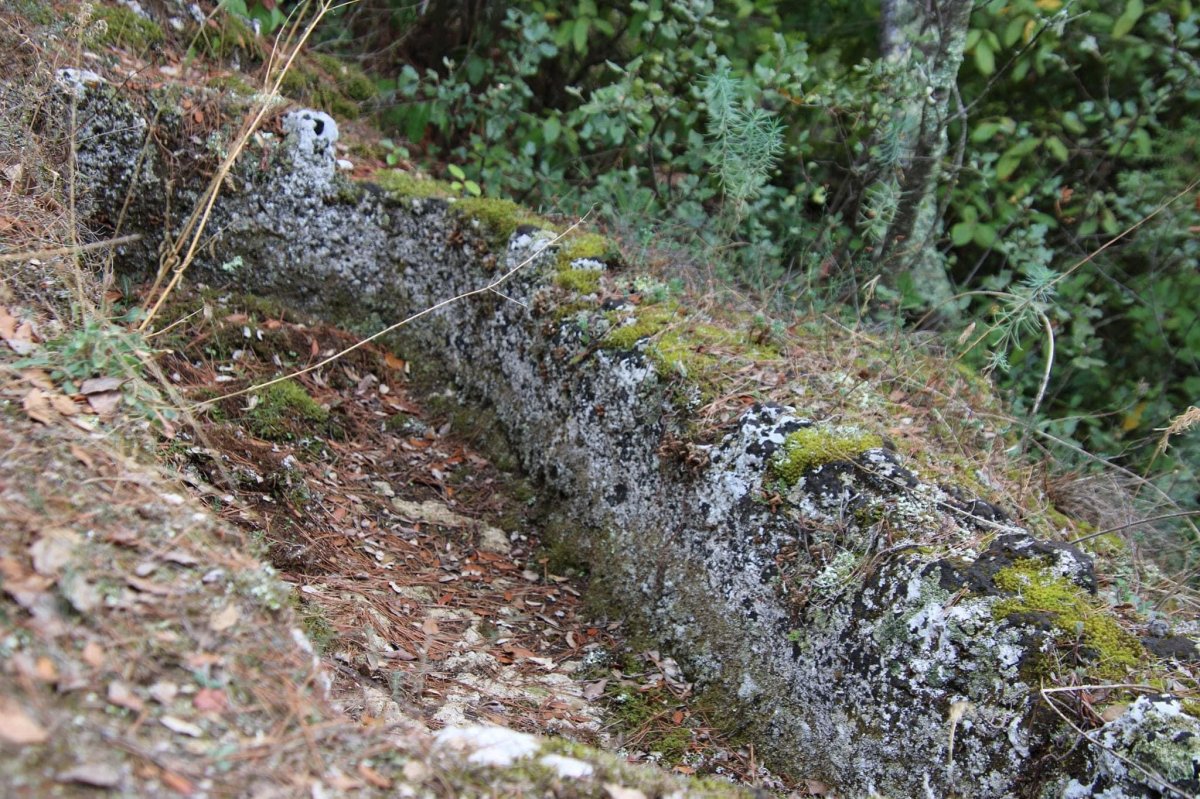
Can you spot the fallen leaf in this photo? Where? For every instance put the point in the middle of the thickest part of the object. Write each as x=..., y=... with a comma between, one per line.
x=53, y=550
x=682, y=769
x=82, y=455
x=45, y=670
x=618, y=792
x=120, y=695
x=82, y=595
x=100, y=385
x=164, y=692
x=224, y=618
x=93, y=655
x=104, y=402
x=98, y=775
x=210, y=700
x=594, y=690
x=37, y=406
x=17, y=726
x=63, y=404
x=180, y=726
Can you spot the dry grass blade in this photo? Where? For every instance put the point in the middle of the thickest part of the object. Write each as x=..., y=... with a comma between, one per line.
x=1180, y=424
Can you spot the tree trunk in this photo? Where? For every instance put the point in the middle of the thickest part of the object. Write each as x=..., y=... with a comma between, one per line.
x=924, y=39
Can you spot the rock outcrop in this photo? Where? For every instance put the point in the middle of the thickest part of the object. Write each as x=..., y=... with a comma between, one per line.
x=860, y=621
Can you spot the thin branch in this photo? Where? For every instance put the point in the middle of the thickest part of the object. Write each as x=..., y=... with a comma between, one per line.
x=74, y=249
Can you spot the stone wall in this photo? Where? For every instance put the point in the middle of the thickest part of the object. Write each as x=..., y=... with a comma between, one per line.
x=910, y=666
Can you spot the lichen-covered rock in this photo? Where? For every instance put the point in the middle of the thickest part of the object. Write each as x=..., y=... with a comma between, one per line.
x=864, y=625
x=1153, y=749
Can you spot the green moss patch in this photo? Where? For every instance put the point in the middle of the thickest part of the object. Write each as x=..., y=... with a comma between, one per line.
x=811, y=447
x=404, y=185
x=579, y=245
x=281, y=409
x=580, y=281
x=1078, y=620
x=124, y=28
x=330, y=84
x=501, y=218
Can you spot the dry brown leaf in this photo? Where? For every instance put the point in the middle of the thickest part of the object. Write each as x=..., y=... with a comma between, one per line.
x=98, y=775
x=17, y=726
x=63, y=404
x=39, y=378
x=100, y=385
x=53, y=550
x=104, y=402
x=120, y=695
x=8, y=324
x=37, y=406
x=83, y=456
x=224, y=618
x=45, y=670
x=210, y=700
x=93, y=655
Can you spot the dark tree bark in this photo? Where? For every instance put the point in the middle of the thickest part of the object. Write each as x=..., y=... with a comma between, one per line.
x=924, y=40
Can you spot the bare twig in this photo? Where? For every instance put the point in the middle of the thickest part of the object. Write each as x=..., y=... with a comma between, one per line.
x=73, y=249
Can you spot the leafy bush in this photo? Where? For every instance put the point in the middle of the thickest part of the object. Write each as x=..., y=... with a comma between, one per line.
x=1075, y=122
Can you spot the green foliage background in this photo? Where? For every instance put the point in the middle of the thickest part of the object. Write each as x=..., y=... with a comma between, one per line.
x=1075, y=121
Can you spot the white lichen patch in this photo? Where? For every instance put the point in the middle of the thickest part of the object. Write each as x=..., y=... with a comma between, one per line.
x=567, y=767
x=488, y=746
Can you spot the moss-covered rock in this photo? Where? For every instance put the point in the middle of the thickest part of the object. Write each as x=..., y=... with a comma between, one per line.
x=909, y=635
x=282, y=411
x=1077, y=619
x=811, y=447
x=120, y=26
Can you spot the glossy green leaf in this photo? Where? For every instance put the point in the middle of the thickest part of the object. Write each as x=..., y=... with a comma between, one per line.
x=985, y=59
x=962, y=233
x=1129, y=17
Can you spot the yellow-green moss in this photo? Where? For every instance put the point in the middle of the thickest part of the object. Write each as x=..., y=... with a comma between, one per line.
x=500, y=217
x=281, y=407
x=580, y=281
x=1075, y=615
x=648, y=321
x=124, y=28
x=351, y=81
x=811, y=447
x=230, y=83
x=328, y=84
x=405, y=184
x=585, y=245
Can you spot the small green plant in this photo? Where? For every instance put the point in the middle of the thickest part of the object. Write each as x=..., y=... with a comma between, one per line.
x=746, y=141
x=99, y=350
x=462, y=183
x=396, y=153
